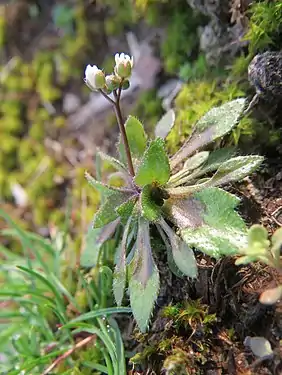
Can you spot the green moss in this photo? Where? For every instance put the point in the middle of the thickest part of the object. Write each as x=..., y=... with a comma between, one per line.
x=264, y=32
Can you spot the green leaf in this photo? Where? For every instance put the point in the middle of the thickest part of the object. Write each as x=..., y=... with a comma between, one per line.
x=125, y=209
x=196, y=160
x=235, y=169
x=114, y=162
x=107, y=211
x=97, y=313
x=216, y=158
x=154, y=167
x=104, y=189
x=136, y=136
x=183, y=256
x=150, y=210
x=165, y=124
x=213, y=125
x=95, y=238
x=215, y=227
x=144, y=280
x=119, y=277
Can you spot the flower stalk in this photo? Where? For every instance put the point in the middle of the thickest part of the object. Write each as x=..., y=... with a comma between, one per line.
x=96, y=80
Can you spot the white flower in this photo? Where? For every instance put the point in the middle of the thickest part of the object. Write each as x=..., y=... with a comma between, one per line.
x=94, y=77
x=124, y=65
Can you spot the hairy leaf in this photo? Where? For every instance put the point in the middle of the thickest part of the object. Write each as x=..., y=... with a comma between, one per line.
x=136, y=136
x=235, y=169
x=104, y=188
x=144, y=279
x=183, y=256
x=125, y=209
x=171, y=263
x=114, y=162
x=165, y=124
x=154, y=167
x=196, y=160
x=107, y=212
x=95, y=238
x=150, y=210
x=222, y=231
x=213, y=125
x=119, y=277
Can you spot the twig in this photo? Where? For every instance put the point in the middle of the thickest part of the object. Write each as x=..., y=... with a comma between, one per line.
x=80, y=344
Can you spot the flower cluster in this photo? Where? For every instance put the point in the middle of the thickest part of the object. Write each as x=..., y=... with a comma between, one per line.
x=96, y=79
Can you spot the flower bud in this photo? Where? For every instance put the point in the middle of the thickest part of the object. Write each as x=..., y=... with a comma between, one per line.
x=94, y=77
x=112, y=82
x=124, y=64
x=125, y=85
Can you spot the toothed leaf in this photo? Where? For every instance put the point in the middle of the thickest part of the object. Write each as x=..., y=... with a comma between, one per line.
x=144, y=281
x=105, y=189
x=136, y=136
x=213, y=125
x=125, y=209
x=107, y=212
x=154, y=166
x=216, y=228
x=165, y=124
x=150, y=210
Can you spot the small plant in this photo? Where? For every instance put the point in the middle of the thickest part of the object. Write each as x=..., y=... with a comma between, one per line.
x=261, y=249
x=179, y=195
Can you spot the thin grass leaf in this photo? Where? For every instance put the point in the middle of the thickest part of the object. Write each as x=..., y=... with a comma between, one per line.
x=58, y=297
x=98, y=313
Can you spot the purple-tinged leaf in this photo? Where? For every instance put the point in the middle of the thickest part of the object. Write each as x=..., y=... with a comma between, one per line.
x=183, y=255
x=219, y=229
x=213, y=125
x=171, y=263
x=144, y=279
x=154, y=166
x=119, y=277
x=95, y=238
x=165, y=124
x=185, y=213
